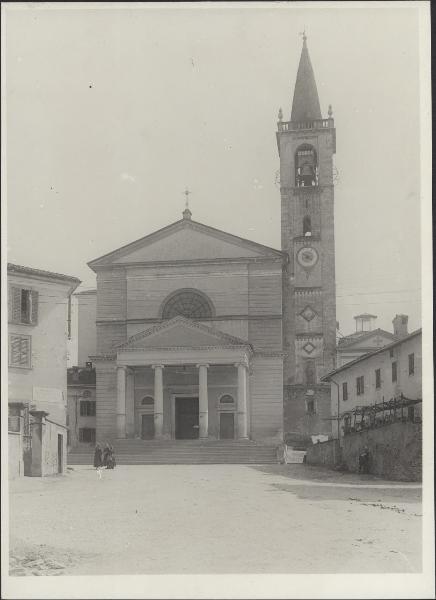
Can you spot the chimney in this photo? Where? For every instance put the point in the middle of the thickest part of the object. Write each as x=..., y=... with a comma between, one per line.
x=400, y=325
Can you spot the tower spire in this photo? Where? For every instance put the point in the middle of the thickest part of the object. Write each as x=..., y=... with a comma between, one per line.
x=305, y=105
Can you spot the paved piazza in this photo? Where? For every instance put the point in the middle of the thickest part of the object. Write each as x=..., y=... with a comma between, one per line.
x=213, y=519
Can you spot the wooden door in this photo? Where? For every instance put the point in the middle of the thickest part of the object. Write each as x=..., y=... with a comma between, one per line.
x=187, y=418
x=147, y=430
x=227, y=426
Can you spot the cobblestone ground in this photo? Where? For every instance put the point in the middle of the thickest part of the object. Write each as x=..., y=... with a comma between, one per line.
x=213, y=519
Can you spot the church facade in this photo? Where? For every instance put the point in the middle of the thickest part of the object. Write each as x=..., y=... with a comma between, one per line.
x=202, y=334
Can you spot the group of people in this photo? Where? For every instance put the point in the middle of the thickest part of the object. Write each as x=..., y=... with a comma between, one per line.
x=104, y=457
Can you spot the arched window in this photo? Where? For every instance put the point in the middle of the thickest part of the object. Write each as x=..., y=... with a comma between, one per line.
x=188, y=303
x=147, y=401
x=307, y=226
x=306, y=166
x=227, y=399
x=86, y=393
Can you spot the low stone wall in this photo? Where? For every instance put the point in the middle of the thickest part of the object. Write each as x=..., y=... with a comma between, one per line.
x=15, y=458
x=395, y=450
x=324, y=454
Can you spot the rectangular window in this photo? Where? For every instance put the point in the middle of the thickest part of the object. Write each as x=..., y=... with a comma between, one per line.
x=87, y=408
x=394, y=371
x=20, y=351
x=22, y=305
x=26, y=306
x=391, y=353
x=87, y=435
x=345, y=391
x=377, y=379
x=411, y=364
x=359, y=385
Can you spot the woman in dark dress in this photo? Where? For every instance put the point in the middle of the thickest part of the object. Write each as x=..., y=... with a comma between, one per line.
x=98, y=456
x=106, y=454
x=110, y=460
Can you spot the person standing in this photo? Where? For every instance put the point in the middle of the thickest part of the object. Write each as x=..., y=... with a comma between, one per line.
x=110, y=461
x=106, y=454
x=98, y=456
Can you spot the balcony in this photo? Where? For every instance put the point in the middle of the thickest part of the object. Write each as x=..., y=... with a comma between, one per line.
x=295, y=126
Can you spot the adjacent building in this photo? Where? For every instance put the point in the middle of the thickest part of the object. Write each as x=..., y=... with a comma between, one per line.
x=81, y=415
x=379, y=387
x=38, y=322
x=376, y=405
x=366, y=337
x=81, y=399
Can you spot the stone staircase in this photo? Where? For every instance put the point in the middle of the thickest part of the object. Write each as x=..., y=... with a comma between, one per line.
x=181, y=452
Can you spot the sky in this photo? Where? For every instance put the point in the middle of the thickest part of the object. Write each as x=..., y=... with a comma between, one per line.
x=112, y=112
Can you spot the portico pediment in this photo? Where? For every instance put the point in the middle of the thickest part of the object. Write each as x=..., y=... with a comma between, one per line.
x=181, y=333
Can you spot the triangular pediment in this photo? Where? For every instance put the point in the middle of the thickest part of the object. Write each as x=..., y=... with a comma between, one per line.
x=372, y=339
x=186, y=240
x=180, y=333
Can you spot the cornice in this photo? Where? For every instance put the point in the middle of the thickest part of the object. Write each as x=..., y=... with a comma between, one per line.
x=216, y=318
x=189, y=262
x=244, y=347
x=103, y=357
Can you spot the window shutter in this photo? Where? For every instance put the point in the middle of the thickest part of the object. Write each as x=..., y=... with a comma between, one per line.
x=34, y=316
x=14, y=350
x=14, y=304
x=19, y=351
x=25, y=352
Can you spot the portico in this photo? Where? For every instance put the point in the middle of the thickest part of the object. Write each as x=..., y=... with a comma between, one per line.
x=167, y=374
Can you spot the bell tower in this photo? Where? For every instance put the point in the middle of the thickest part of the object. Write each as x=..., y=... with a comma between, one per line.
x=306, y=145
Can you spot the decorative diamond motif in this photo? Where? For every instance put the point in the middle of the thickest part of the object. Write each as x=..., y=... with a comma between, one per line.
x=309, y=348
x=308, y=313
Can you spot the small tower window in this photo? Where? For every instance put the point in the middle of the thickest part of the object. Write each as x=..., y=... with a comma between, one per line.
x=306, y=166
x=310, y=372
x=307, y=226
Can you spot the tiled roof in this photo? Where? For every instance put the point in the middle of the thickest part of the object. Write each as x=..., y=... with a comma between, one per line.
x=40, y=273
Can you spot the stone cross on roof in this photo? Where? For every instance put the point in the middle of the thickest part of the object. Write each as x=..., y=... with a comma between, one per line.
x=187, y=213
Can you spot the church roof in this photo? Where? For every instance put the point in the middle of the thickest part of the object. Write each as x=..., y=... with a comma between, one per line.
x=305, y=105
x=187, y=240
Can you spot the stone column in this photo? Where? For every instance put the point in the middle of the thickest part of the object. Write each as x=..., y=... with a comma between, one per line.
x=158, y=400
x=203, y=401
x=242, y=400
x=130, y=404
x=121, y=402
